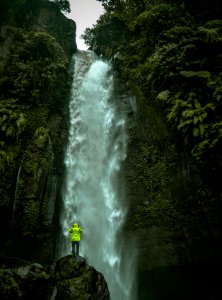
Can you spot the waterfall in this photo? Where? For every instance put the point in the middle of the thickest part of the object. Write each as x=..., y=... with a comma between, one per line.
x=92, y=194
x=50, y=209
x=16, y=190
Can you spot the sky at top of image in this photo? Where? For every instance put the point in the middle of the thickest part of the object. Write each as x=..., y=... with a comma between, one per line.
x=85, y=13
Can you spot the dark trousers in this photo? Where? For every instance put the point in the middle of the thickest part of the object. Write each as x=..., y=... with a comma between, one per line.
x=75, y=248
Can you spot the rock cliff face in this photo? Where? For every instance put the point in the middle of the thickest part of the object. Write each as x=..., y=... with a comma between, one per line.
x=44, y=16
x=66, y=279
x=36, y=45
x=174, y=217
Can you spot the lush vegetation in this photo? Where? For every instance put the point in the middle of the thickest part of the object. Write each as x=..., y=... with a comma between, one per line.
x=173, y=51
x=170, y=55
x=34, y=84
x=32, y=76
x=64, y=5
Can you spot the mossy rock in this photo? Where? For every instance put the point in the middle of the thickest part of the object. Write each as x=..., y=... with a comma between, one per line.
x=68, y=268
x=9, y=288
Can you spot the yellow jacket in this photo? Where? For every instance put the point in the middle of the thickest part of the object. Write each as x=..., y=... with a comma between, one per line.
x=75, y=231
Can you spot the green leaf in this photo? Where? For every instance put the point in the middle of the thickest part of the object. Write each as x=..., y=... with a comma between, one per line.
x=201, y=74
x=4, y=126
x=10, y=131
x=202, y=129
x=4, y=118
x=184, y=123
x=21, y=122
x=196, y=131
x=196, y=120
x=197, y=103
x=188, y=113
x=163, y=96
x=217, y=124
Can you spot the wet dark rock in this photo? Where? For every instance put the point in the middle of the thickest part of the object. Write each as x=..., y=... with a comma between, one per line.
x=68, y=278
x=75, y=279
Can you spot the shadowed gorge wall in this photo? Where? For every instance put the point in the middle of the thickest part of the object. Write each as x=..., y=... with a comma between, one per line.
x=35, y=50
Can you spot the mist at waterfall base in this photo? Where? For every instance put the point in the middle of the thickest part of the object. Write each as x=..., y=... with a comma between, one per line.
x=93, y=190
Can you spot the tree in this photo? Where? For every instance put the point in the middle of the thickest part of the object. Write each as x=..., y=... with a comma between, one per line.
x=64, y=5
x=88, y=36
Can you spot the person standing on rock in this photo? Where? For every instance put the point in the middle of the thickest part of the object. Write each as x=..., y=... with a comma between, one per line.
x=75, y=232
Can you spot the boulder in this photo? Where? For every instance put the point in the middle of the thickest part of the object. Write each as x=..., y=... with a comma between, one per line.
x=69, y=278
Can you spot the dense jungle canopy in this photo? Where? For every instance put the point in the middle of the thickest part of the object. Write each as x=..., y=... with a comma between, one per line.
x=172, y=50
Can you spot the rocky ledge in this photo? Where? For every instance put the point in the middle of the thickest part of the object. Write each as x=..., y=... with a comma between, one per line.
x=68, y=278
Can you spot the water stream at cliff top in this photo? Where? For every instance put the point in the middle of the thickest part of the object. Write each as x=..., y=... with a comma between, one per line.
x=96, y=148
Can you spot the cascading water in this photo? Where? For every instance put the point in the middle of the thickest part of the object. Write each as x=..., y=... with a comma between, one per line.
x=16, y=190
x=96, y=148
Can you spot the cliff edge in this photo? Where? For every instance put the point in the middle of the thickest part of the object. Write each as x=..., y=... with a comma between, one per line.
x=66, y=279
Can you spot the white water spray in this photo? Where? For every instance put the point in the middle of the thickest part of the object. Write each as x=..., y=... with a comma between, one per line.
x=96, y=148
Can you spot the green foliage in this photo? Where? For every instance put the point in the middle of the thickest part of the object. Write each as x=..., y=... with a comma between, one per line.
x=191, y=116
x=112, y=5
x=37, y=117
x=41, y=137
x=41, y=131
x=88, y=36
x=200, y=74
x=33, y=72
x=34, y=84
x=210, y=35
x=64, y=5
x=156, y=164
x=33, y=184
x=33, y=78
x=163, y=96
x=158, y=15
x=8, y=286
x=30, y=163
x=190, y=98
x=172, y=61
x=8, y=155
x=161, y=212
x=153, y=170
x=176, y=61
x=172, y=56
x=30, y=217
x=9, y=164
x=12, y=120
